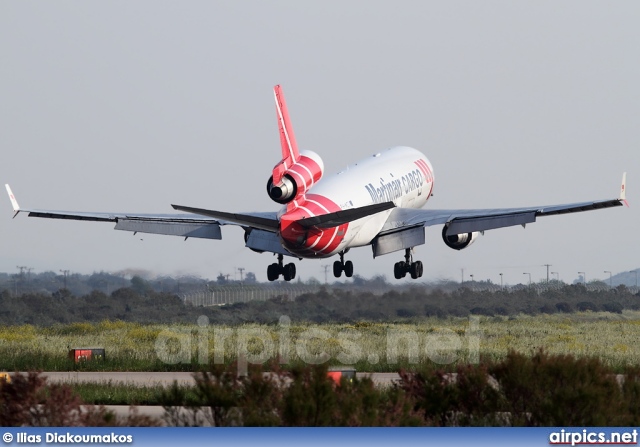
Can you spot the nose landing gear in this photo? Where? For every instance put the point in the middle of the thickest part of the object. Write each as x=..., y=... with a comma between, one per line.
x=274, y=270
x=341, y=266
x=400, y=269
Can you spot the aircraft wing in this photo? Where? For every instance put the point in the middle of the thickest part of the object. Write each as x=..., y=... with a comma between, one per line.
x=471, y=220
x=184, y=225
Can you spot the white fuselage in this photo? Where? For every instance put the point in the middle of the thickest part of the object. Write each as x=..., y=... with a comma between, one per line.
x=401, y=175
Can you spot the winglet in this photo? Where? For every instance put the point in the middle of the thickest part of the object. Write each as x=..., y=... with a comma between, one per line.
x=290, y=153
x=14, y=202
x=623, y=190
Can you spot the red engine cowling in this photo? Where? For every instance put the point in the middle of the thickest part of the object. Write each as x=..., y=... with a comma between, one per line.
x=297, y=179
x=458, y=241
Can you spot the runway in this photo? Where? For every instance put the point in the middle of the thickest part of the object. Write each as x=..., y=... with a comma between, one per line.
x=167, y=378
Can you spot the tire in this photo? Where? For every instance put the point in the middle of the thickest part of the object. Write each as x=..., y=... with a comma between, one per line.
x=337, y=269
x=420, y=268
x=292, y=271
x=404, y=268
x=289, y=272
x=272, y=272
x=397, y=270
x=414, y=270
x=348, y=269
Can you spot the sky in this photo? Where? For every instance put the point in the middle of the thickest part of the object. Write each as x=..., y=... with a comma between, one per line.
x=131, y=106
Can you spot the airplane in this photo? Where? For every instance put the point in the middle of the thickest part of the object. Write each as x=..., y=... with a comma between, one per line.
x=376, y=202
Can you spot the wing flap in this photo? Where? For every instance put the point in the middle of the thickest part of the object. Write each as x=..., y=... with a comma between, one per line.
x=203, y=230
x=260, y=240
x=398, y=240
x=471, y=224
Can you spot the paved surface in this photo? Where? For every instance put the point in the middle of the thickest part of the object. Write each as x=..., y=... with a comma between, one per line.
x=137, y=378
x=166, y=378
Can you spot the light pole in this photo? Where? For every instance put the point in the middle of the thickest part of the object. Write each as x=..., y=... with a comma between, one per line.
x=584, y=277
x=607, y=271
x=547, y=266
x=527, y=273
x=65, y=273
x=501, y=286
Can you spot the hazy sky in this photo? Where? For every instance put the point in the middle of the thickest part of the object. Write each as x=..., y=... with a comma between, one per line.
x=132, y=106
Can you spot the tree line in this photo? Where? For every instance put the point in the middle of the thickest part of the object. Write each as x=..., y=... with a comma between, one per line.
x=141, y=303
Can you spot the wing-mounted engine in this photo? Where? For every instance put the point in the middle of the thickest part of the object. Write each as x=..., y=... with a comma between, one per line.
x=458, y=241
x=297, y=179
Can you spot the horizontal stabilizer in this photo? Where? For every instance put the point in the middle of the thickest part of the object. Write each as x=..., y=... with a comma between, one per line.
x=341, y=217
x=248, y=220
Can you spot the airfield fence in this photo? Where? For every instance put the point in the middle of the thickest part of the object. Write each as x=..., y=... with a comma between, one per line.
x=224, y=295
x=220, y=296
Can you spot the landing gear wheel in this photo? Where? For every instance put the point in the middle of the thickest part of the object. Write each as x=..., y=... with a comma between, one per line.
x=337, y=269
x=272, y=272
x=293, y=270
x=399, y=270
x=416, y=269
x=348, y=269
x=289, y=272
x=341, y=266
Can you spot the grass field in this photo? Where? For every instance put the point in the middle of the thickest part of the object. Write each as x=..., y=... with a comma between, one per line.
x=368, y=346
x=121, y=394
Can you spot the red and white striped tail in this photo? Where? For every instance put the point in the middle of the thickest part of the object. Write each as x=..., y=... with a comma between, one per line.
x=290, y=153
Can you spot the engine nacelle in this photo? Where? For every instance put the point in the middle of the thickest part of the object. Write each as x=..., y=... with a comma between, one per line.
x=459, y=241
x=297, y=179
x=285, y=192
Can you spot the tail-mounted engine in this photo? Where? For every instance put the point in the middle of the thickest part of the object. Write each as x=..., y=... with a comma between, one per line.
x=458, y=241
x=297, y=179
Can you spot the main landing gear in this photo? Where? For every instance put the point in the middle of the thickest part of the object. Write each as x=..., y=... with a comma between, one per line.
x=274, y=270
x=400, y=269
x=341, y=266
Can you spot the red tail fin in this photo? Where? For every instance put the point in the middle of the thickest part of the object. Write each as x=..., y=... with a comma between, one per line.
x=290, y=152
